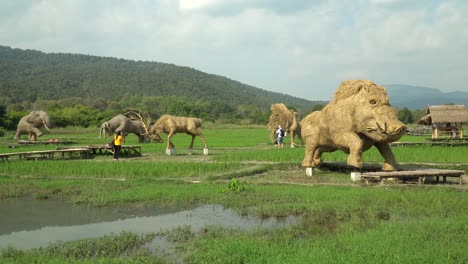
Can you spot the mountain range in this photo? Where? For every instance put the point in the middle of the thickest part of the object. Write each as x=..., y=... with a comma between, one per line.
x=417, y=97
x=30, y=75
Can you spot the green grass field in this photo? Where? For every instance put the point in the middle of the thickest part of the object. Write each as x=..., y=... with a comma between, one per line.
x=342, y=222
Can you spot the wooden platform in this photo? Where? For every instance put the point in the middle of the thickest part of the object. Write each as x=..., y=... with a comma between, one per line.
x=127, y=150
x=420, y=174
x=431, y=143
x=24, y=143
x=82, y=152
x=46, y=142
x=373, y=172
x=344, y=166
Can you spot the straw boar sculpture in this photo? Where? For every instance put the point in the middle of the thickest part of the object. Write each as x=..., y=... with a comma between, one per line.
x=358, y=117
x=176, y=124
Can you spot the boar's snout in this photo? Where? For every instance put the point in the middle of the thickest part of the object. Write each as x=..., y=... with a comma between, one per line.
x=401, y=130
x=397, y=128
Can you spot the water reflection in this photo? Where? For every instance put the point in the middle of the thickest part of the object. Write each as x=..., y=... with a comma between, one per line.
x=29, y=224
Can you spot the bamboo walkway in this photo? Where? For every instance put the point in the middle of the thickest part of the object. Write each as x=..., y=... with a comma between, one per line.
x=81, y=152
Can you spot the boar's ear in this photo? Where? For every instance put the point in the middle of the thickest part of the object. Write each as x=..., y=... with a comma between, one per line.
x=363, y=88
x=358, y=89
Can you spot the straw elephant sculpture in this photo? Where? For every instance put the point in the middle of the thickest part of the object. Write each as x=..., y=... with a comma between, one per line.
x=32, y=124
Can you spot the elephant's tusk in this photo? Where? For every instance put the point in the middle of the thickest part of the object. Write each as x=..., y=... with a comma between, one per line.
x=45, y=125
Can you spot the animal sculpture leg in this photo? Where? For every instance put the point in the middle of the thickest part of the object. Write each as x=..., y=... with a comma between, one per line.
x=355, y=151
x=170, y=145
x=36, y=131
x=317, y=157
x=273, y=136
x=31, y=136
x=386, y=152
x=203, y=139
x=291, y=135
x=191, y=143
x=309, y=156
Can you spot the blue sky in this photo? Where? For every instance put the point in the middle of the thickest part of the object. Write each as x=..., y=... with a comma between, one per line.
x=303, y=48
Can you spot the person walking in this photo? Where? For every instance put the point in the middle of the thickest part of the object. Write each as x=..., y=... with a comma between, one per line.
x=280, y=135
x=118, y=141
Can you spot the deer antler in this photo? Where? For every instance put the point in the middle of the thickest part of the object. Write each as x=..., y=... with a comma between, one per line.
x=144, y=117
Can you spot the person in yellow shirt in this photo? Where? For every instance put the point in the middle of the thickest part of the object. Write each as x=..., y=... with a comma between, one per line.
x=118, y=140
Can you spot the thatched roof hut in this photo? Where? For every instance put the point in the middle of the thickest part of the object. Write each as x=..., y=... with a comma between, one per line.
x=450, y=116
x=444, y=114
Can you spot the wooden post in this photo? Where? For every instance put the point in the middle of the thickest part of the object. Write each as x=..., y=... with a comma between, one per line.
x=170, y=152
x=434, y=132
x=460, y=131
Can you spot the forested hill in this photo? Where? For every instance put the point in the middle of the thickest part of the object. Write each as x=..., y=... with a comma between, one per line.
x=33, y=75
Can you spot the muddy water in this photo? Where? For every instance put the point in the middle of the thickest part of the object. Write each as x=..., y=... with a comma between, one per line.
x=33, y=223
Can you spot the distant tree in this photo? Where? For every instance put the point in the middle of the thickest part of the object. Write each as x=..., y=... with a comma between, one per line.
x=12, y=119
x=418, y=113
x=2, y=115
x=405, y=115
x=318, y=107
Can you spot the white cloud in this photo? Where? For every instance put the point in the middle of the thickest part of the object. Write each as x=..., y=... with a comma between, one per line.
x=353, y=74
x=187, y=5
x=384, y=1
x=303, y=48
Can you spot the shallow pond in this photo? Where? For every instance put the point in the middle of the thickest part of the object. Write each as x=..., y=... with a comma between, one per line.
x=28, y=224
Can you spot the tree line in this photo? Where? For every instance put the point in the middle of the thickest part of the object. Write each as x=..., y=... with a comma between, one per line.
x=86, y=112
x=92, y=112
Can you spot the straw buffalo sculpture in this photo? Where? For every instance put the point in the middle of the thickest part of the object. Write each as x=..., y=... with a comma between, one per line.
x=174, y=124
x=31, y=125
x=287, y=119
x=358, y=117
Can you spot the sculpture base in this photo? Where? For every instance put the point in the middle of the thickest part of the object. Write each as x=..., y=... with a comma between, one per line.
x=355, y=176
x=170, y=152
